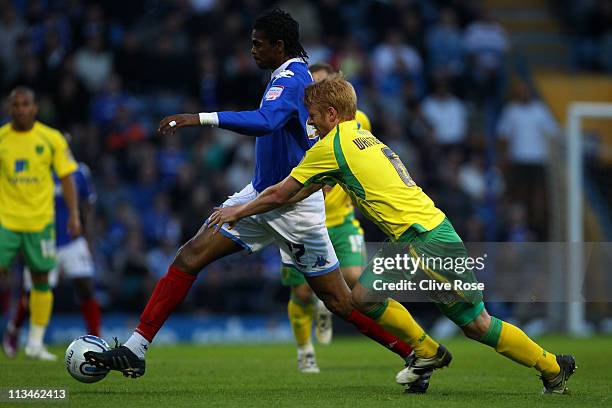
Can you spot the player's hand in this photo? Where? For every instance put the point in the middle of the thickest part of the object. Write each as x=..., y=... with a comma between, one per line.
x=74, y=226
x=169, y=124
x=222, y=215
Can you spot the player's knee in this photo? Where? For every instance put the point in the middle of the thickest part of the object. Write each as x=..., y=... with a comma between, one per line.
x=351, y=275
x=302, y=293
x=187, y=259
x=40, y=278
x=338, y=304
x=478, y=327
x=358, y=294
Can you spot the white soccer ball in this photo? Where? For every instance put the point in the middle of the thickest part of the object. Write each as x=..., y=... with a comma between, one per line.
x=75, y=361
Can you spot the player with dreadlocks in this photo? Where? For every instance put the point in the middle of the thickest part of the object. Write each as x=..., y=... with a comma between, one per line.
x=281, y=139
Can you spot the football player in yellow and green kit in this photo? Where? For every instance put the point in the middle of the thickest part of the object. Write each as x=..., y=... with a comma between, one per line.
x=29, y=154
x=346, y=236
x=376, y=179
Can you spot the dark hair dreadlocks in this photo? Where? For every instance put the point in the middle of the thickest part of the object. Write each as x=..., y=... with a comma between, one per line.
x=279, y=25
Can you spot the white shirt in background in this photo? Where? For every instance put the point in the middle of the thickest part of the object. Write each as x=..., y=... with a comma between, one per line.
x=527, y=127
x=447, y=116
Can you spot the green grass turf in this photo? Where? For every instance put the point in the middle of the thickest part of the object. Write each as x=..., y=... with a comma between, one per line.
x=355, y=373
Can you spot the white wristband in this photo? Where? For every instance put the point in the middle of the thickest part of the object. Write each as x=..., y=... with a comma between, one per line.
x=209, y=118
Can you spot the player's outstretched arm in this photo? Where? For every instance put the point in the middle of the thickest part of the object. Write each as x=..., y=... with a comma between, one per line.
x=169, y=124
x=272, y=197
x=251, y=123
x=305, y=192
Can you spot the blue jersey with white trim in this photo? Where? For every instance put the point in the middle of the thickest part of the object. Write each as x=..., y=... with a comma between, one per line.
x=85, y=193
x=279, y=124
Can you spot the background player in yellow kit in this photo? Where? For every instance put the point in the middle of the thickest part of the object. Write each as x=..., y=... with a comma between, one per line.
x=29, y=154
x=346, y=236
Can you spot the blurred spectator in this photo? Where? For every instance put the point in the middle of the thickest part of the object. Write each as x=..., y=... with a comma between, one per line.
x=11, y=28
x=518, y=228
x=487, y=44
x=525, y=125
x=71, y=100
x=394, y=63
x=146, y=187
x=159, y=257
x=446, y=114
x=135, y=282
x=170, y=158
x=130, y=61
x=444, y=43
x=108, y=102
x=93, y=62
x=306, y=14
x=159, y=223
x=239, y=172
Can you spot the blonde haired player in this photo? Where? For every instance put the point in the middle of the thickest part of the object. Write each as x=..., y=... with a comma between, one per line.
x=346, y=236
x=377, y=180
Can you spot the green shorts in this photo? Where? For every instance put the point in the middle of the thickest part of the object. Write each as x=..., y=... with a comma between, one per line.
x=38, y=248
x=347, y=240
x=442, y=256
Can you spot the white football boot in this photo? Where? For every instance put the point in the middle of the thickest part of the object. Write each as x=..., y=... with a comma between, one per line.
x=39, y=353
x=307, y=363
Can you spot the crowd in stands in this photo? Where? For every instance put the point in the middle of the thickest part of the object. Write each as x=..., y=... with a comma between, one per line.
x=588, y=25
x=106, y=72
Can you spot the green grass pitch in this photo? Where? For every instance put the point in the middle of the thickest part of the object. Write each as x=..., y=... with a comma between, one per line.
x=355, y=373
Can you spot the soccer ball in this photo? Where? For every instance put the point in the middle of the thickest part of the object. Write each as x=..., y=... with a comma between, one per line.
x=75, y=361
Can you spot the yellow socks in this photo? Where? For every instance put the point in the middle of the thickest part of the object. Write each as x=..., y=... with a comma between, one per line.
x=301, y=317
x=400, y=322
x=41, y=304
x=513, y=343
x=547, y=364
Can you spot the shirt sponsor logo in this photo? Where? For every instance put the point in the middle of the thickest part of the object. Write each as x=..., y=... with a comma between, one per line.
x=274, y=93
x=21, y=165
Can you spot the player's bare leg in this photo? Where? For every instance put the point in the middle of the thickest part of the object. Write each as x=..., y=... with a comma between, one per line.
x=323, y=317
x=204, y=248
x=332, y=289
x=513, y=343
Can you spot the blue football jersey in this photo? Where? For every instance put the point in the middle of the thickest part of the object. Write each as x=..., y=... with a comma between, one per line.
x=85, y=192
x=279, y=124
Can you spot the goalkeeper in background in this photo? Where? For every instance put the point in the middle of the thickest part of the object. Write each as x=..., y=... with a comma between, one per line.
x=346, y=236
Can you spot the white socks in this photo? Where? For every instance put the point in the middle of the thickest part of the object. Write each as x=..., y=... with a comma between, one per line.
x=137, y=345
x=36, y=336
x=305, y=349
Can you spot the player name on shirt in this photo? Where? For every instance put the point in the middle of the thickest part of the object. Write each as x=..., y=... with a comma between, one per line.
x=364, y=142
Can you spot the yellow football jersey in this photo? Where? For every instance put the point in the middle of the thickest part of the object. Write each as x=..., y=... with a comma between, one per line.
x=338, y=204
x=373, y=175
x=26, y=178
